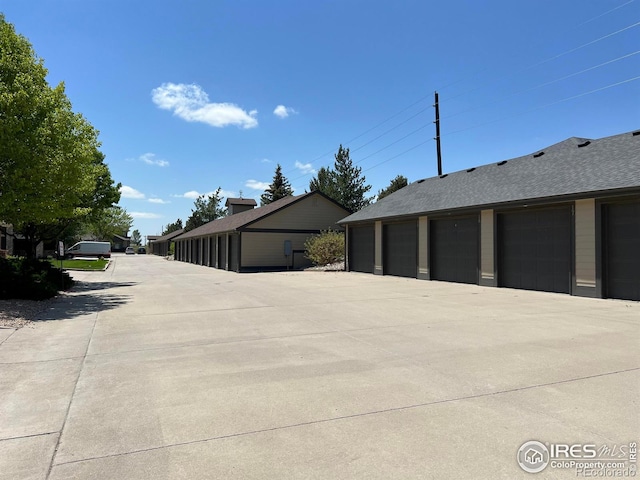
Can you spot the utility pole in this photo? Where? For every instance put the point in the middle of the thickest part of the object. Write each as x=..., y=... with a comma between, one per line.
x=437, y=139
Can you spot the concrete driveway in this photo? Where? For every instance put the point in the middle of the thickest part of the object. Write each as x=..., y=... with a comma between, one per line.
x=165, y=370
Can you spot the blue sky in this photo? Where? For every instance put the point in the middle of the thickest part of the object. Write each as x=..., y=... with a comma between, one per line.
x=193, y=95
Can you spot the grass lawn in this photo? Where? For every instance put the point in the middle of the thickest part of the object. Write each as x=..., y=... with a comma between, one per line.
x=81, y=264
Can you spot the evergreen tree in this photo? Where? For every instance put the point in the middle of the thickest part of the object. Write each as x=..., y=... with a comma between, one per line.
x=279, y=188
x=206, y=210
x=136, y=238
x=324, y=182
x=396, y=184
x=344, y=183
x=172, y=227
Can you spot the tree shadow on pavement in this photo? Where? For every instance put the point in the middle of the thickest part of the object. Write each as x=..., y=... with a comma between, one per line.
x=86, y=298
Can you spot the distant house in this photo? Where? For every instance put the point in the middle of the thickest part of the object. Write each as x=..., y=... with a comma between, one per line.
x=564, y=219
x=266, y=238
x=161, y=245
x=119, y=243
x=16, y=244
x=6, y=240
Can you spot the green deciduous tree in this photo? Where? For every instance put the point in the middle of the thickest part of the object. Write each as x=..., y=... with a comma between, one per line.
x=279, y=188
x=51, y=171
x=172, y=227
x=106, y=223
x=207, y=209
x=344, y=183
x=396, y=184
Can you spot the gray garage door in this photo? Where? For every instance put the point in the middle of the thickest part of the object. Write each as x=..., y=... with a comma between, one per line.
x=361, y=248
x=400, y=249
x=622, y=250
x=212, y=251
x=222, y=251
x=234, y=253
x=534, y=249
x=454, y=249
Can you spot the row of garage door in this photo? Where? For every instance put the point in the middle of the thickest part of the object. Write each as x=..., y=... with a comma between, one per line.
x=219, y=251
x=534, y=249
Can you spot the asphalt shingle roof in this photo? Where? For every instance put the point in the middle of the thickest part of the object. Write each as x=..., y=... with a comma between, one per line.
x=238, y=220
x=573, y=167
x=169, y=236
x=241, y=201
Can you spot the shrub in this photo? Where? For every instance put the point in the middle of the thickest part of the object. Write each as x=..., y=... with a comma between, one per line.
x=325, y=248
x=31, y=279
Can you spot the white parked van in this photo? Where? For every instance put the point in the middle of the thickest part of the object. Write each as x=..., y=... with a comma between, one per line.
x=90, y=249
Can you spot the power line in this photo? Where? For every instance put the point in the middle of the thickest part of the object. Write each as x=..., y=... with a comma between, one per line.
x=628, y=80
x=543, y=84
x=421, y=99
x=398, y=155
x=391, y=129
x=524, y=112
x=603, y=14
x=555, y=57
x=373, y=128
x=546, y=105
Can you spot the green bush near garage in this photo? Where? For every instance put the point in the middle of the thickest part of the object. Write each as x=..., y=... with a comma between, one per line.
x=325, y=248
x=31, y=279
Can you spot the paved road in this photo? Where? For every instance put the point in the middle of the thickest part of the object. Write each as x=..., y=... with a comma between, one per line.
x=164, y=370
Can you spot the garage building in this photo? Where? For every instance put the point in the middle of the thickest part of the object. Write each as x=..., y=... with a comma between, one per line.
x=162, y=245
x=564, y=219
x=271, y=237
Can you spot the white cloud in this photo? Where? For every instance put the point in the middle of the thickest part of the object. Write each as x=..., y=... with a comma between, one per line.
x=193, y=194
x=256, y=185
x=144, y=215
x=283, y=112
x=149, y=159
x=265, y=160
x=305, y=167
x=128, y=192
x=191, y=103
x=159, y=201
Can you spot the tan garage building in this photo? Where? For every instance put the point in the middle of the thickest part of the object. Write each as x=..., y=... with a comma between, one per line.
x=271, y=237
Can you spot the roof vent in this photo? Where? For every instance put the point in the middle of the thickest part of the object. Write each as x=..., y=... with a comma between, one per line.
x=443, y=176
x=580, y=145
x=471, y=169
x=420, y=181
x=539, y=154
x=501, y=163
x=635, y=134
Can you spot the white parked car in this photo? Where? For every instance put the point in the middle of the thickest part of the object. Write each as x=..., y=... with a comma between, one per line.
x=130, y=251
